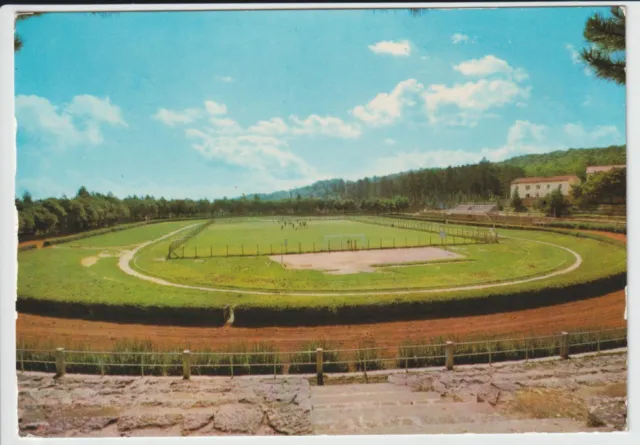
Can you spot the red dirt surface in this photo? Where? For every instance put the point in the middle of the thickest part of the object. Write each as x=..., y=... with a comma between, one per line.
x=606, y=311
x=616, y=236
x=601, y=312
x=38, y=243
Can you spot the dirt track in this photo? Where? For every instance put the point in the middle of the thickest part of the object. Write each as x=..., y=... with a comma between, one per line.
x=605, y=311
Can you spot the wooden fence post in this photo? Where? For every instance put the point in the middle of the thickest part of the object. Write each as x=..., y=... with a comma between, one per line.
x=564, y=345
x=449, y=355
x=319, y=368
x=60, y=365
x=186, y=364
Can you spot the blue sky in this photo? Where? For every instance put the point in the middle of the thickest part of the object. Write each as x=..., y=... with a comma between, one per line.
x=212, y=104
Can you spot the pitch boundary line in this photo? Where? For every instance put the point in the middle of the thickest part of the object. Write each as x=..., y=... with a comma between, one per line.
x=125, y=260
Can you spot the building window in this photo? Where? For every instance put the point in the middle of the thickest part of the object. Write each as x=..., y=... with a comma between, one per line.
x=559, y=186
x=527, y=187
x=548, y=186
x=527, y=195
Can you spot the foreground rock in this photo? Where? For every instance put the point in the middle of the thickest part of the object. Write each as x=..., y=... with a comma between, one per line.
x=93, y=406
x=580, y=394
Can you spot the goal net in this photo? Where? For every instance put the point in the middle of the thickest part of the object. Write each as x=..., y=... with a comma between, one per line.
x=348, y=241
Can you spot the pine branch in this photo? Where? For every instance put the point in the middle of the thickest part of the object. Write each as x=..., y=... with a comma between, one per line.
x=604, y=66
x=17, y=43
x=606, y=33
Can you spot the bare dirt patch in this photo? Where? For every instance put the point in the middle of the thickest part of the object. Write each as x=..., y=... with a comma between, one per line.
x=363, y=260
x=91, y=260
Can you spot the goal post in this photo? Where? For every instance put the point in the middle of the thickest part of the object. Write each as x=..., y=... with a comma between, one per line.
x=347, y=241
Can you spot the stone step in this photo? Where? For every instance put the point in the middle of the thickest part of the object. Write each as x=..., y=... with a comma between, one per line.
x=493, y=426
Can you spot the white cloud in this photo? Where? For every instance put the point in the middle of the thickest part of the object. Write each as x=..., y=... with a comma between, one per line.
x=215, y=108
x=464, y=104
x=579, y=136
x=459, y=38
x=226, y=79
x=390, y=141
x=95, y=108
x=252, y=151
x=78, y=122
x=274, y=126
x=327, y=126
x=489, y=65
x=225, y=125
x=386, y=108
x=470, y=100
x=171, y=117
x=575, y=55
x=395, y=48
x=525, y=130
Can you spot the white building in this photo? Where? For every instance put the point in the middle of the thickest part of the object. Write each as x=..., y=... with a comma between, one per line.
x=603, y=168
x=540, y=187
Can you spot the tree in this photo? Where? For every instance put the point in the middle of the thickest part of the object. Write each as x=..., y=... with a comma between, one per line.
x=27, y=200
x=602, y=187
x=17, y=40
x=555, y=204
x=83, y=192
x=516, y=202
x=606, y=53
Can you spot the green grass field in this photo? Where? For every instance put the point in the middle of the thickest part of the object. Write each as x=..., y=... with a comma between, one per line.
x=272, y=237
x=132, y=236
x=485, y=263
x=57, y=273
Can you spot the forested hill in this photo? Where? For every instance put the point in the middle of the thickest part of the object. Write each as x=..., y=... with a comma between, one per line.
x=567, y=162
x=562, y=162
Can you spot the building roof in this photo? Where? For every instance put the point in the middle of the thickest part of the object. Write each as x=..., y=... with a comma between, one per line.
x=545, y=179
x=603, y=168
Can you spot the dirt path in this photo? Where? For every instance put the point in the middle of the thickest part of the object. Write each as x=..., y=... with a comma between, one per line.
x=601, y=312
x=585, y=393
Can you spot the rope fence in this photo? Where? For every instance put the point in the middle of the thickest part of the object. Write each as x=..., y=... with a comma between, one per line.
x=319, y=360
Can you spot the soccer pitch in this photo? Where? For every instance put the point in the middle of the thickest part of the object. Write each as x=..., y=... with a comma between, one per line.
x=269, y=237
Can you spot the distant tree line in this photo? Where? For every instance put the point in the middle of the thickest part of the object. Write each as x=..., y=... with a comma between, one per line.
x=447, y=187
x=87, y=211
x=434, y=188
